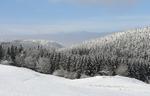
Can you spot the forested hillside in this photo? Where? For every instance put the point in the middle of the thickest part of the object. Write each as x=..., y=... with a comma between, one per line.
x=122, y=53
x=27, y=44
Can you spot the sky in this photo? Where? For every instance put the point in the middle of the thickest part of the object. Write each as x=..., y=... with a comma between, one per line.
x=54, y=16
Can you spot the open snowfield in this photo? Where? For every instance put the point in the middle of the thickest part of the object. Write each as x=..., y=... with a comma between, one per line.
x=23, y=82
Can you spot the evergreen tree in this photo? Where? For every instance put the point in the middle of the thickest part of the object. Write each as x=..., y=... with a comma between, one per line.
x=1, y=52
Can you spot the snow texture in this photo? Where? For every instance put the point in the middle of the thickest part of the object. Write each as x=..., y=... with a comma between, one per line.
x=24, y=82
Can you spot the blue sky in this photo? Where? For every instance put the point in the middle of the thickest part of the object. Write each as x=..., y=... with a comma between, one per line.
x=51, y=16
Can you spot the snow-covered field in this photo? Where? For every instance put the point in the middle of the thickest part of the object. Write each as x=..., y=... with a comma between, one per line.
x=23, y=82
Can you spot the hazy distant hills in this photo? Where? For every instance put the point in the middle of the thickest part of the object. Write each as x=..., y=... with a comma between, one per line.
x=33, y=44
x=64, y=38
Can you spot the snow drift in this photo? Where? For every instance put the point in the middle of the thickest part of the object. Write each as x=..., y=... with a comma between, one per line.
x=24, y=82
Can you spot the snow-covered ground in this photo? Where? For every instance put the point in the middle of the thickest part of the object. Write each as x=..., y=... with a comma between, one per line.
x=23, y=82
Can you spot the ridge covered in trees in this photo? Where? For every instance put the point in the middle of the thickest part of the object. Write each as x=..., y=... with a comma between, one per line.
x=123, y=53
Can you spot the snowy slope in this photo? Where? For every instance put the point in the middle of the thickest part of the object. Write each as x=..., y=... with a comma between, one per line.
x=23, y=82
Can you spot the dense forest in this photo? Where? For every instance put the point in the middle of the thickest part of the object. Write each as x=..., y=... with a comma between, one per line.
x=123, y=53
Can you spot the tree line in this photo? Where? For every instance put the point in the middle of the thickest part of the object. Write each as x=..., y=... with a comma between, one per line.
x=77, y=62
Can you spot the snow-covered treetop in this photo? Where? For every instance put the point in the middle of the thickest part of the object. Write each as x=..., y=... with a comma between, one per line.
x=135, y=39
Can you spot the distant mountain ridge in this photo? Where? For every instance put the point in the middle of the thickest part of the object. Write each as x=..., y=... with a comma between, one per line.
x=34, y=43
x=66, y=39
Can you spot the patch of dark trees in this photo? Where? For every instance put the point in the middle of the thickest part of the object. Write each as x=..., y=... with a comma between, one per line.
x=79, y=62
